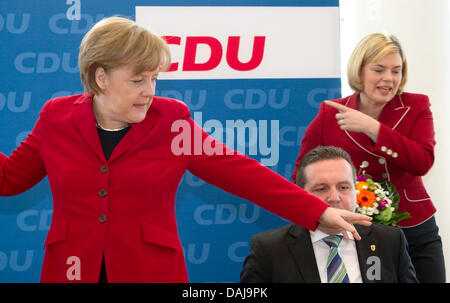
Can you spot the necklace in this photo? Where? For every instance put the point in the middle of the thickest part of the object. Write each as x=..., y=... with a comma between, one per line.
x=110, y=129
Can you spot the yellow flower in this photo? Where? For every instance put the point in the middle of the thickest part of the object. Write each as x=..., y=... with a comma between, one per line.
x=361, y=185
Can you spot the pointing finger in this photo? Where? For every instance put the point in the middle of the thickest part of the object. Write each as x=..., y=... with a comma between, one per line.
x=339, y=107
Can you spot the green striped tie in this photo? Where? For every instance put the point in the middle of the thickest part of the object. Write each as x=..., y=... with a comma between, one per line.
x=336, y=272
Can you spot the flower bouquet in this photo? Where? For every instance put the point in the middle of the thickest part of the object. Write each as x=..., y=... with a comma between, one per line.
x=378, y=200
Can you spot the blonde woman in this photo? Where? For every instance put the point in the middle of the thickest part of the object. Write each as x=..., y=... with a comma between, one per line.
x=389, y=132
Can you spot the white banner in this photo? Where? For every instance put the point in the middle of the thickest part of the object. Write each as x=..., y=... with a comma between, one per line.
x=247, y=42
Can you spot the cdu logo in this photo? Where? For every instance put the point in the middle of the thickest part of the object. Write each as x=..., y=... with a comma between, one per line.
x=16, y=260
x=237, y=251
x=195, y=100
x=215, y=48
x=60, y=24
x=15, y=24
x=14, y=104
x=291, y=135
x=209, y=214
x=45, y=63
x=197, y=253
x=238, y=99
x=35, y=220
x=249, y=47
x=317, y=95
x=73, y=21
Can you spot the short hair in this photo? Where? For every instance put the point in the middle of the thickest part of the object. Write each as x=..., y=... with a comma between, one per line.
x=370, y=49
x=321, y=153
x=116, y=41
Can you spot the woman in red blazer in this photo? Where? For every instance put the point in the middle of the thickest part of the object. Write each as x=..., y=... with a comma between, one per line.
x=114, y=158
x=391, y=134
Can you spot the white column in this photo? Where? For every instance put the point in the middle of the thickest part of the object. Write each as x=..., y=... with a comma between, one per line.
x=423, y=28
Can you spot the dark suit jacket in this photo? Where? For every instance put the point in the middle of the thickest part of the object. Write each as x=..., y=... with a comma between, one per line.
x=286, y=255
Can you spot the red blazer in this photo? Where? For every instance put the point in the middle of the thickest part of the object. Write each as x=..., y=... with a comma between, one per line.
x=403, y=152
x=123, y=208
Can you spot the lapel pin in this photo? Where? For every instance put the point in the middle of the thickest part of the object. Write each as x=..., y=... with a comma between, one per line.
x=372, y=247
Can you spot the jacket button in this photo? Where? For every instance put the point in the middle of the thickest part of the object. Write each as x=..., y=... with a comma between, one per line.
x=102, y=218
x=102, y=193
x=104, y=169
x=381, y=160
x=384, y=175
x=389, y=152
x=383, y=148
x=394, y=155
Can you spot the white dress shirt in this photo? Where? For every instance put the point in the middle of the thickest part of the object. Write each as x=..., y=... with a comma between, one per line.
x=347, y=251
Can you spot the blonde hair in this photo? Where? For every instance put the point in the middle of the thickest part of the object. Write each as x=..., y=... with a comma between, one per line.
x=114, y=42
x=370, y=49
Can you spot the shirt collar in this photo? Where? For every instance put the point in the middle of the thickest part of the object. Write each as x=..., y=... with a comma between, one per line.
x=318, y=235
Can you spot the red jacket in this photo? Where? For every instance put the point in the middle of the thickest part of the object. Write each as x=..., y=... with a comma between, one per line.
x=123, y=208
x=403, y=152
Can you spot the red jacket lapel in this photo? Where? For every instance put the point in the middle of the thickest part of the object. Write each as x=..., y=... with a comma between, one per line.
x=84, y=118
x=391, y=116
x=394, y=112
x=137, y=133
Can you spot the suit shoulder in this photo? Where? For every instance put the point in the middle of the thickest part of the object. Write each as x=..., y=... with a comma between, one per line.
x=170, y=107
x=412, y=99
x=64, y=103
x=413, y=96
x=67, y=100
x=272, y=235
x=382, y=230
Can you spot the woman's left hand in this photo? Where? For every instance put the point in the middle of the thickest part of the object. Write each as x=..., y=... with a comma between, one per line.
x=355, y=121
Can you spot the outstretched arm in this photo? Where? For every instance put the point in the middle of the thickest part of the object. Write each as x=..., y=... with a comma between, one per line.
x=24, y=168
x=248, y=179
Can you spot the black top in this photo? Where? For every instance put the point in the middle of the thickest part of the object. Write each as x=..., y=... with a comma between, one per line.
x=110, y=139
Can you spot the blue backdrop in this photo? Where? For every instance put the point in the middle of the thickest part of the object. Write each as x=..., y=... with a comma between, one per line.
x=38, y=61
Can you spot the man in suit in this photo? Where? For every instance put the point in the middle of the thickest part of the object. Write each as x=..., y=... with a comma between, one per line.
x=294, y=254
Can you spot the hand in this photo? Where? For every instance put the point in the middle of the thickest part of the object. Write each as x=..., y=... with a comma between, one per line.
x=355, y=121
x=334, y=221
